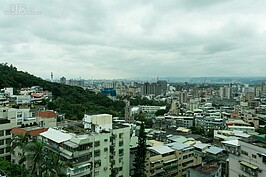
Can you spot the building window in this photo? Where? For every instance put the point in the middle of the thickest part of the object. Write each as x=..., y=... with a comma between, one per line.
x=244, y=152
x=254, y=156
x=97, y=163
x=121, y=151
x=264, y=159
x=19, y=123
x=97, y=153
x=1, y=142
x=121, y=135
x=8, y=149
x=121, y=143
x=8, y=132
x=19, y=114
x=1, y=132
x=2, y=151
x=97, y=143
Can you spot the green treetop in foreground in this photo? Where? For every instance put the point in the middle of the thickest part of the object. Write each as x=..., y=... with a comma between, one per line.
x=140, y=156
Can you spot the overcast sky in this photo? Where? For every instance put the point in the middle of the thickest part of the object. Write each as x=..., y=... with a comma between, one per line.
x=134, y=38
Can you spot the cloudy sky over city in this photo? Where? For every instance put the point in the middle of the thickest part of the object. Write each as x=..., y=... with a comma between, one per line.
x=133, y=39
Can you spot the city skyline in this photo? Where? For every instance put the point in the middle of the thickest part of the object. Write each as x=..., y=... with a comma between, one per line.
x=125, y=39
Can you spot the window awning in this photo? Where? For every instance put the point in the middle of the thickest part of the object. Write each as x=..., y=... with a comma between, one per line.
x=254, y=167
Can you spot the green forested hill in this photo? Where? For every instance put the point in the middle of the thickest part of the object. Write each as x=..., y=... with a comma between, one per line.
x=72, y=100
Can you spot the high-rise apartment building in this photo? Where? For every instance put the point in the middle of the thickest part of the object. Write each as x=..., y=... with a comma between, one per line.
x=101, y=149
x=155, y=88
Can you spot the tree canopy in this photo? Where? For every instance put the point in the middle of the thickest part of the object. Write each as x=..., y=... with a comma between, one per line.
x=140, y=155
x=72, y=100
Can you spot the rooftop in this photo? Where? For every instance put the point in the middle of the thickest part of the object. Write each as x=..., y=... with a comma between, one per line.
x=214, y=150
x=231, y=142
x=154, y=143
x=46, y=114
x=179, y=146
x=208, y=168
x=201, y=145
x=56, y=135
x=161, y=149
x=32, y=131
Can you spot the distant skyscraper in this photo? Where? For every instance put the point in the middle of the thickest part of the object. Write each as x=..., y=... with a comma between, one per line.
x=63, y=80
x=263, y=87
x=183, y=97
x=173, y=110
x=155, y=88
x=226, y=92
x=162, y=84
x=129, y=118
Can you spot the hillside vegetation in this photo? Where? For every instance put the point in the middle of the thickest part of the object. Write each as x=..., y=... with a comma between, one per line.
x=72, y=100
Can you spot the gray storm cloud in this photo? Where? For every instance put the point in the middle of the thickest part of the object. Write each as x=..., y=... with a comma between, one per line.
x=120, y=39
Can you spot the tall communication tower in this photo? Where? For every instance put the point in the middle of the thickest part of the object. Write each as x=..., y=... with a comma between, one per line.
x=52, y=77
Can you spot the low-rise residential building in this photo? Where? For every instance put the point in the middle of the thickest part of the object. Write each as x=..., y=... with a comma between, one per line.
x=187, y=157
x=210, y=122
x=246, y=158
x=210, y=169
x=29, y=134
x=161, y=160
x=12, y=118
x=151, y=109
x=223, y=135
x=180, y=121
x=171, y=159
x=251, y=119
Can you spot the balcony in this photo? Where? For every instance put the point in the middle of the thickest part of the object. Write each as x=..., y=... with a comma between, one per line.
x=4, y=121
x=81, y=153
x=156, y=164
x=85, y=169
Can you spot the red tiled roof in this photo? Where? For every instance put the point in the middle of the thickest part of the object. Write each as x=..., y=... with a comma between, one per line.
x=22, y=131
x=46, y=114
x=37, y=95
x=18, y=131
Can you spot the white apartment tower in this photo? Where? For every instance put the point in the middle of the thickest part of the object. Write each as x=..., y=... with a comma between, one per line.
x=101, y=149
